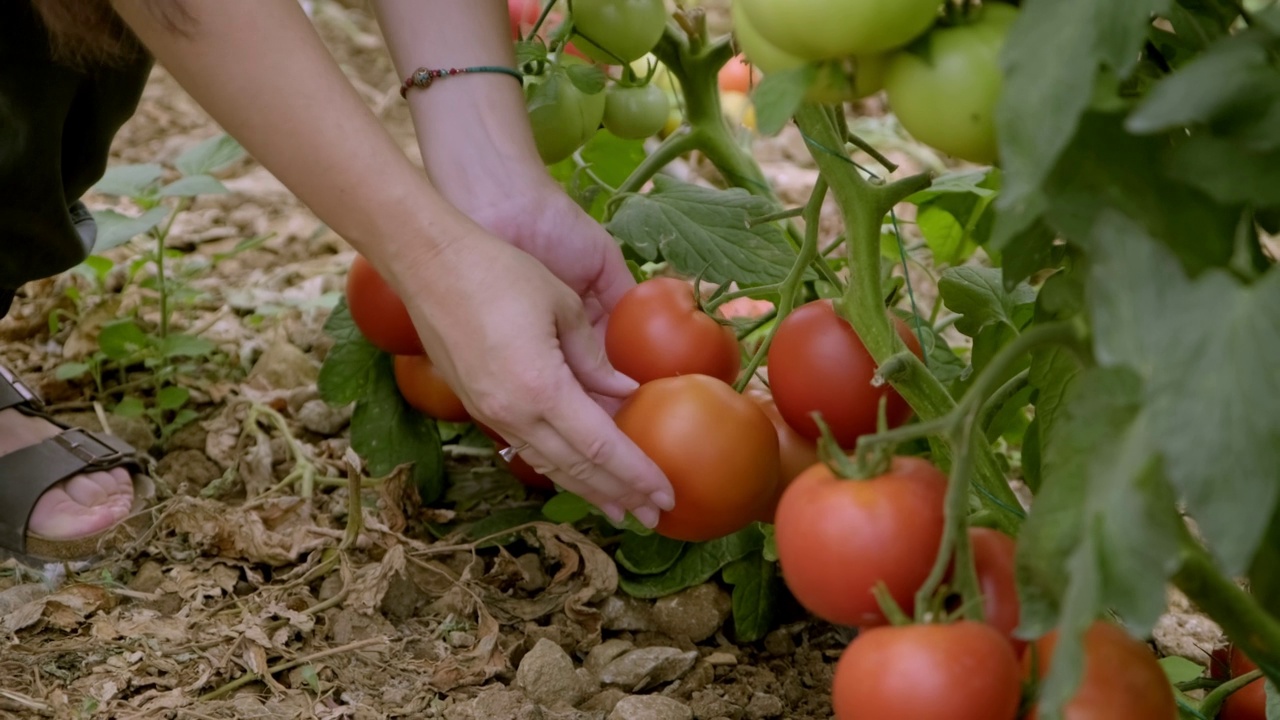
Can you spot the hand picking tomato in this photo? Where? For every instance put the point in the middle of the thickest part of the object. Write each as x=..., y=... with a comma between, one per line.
x=1122, y=680
x=520, y=469
x=824, y=29
x=1250, y=701
x=378, y=312
x=959, y=671
x=796, y=452
x=717, y=448
x=620, y=30
x=838, y=538
x=426, y=391
x=817, y=363
x=657, y=330
x=993, y=559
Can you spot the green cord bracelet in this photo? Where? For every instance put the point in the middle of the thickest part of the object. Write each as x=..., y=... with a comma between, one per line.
x=423, y=77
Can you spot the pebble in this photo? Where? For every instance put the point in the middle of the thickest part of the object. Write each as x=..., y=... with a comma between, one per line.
x=694, y=614
x=764, y=706
x=547, y=675
x=623, y=612
x=606, y=652
x=646, y=667
x=650, y=707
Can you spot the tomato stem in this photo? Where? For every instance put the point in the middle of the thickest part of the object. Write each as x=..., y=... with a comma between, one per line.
x=1212, y=702
x=892, y=611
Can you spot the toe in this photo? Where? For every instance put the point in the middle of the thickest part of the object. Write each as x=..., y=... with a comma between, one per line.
x=84, y=505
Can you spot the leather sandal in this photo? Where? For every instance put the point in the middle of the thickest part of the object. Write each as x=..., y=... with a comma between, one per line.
x=26, y=473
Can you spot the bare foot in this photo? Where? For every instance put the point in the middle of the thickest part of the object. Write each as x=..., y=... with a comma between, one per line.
x=80, y=506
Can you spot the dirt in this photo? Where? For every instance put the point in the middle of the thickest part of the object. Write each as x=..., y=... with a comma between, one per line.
x=249, y=597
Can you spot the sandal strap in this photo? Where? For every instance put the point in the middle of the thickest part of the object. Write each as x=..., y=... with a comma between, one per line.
x=26, y=474
x=15, y=393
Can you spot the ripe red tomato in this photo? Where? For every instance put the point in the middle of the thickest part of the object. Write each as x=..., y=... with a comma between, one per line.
x=960, y=671
x=738, y=75
x=796, y=452
x=378, y=312
x=838, y=538
x=818, y=363
x=426, y=391
x=993, y=558
x=1250, y=701
x=717, y=448
x=657, y=330
x=1122, y=680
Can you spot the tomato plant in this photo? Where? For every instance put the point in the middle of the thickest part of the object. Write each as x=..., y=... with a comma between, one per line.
x=562, y=115
x=378, y=311
x=838, y=538
x=959, y=671
x=1250, y=701
x=944, y=90
x=822, y=29
x=635, y=113
x=657, y=330
x=817, y=363
x=426, y=391
x=1122, y=680
x=617, y=31
x=717, y=448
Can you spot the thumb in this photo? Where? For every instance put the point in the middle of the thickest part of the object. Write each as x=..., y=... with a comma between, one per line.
x=585, y=356
x=614, y=279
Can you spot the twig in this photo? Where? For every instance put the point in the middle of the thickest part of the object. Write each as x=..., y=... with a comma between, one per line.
x=281, y=667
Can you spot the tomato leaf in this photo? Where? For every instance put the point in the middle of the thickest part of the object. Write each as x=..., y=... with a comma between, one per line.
x=347, y=368
x=705, y=232
x=116, y=229
x=978, y=294
x=527, y=51
x=1042, y=102
x=590, y=79
x=566, y=507
x=610, y=160
x=699, y=563
x=1264, y=572
x=493, y=525
x=757, y=588
x=779, y=95
x=648, y=554
x=1228, y=171
x=1180, y=669
x=1201, y=389
x=953, y=215
x=388, y=433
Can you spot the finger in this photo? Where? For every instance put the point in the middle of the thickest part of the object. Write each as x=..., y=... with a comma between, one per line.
x=585, y=356
x=598, y=491
x=614, y=280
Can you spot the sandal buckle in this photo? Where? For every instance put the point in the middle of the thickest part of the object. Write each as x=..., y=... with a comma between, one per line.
x=22, y=388
x=88, y=447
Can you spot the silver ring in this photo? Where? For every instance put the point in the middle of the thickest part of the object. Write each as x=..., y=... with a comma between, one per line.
x=509, y=453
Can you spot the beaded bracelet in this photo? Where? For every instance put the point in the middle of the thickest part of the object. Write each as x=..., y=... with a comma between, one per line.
x=423, y=77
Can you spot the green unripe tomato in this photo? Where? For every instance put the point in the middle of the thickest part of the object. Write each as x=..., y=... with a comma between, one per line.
x=563, y=117
x=826, y=29
x=620, y=30
x=635, y=113
x=944, y=89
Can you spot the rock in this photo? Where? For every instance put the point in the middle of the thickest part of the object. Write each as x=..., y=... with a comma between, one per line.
x=722, y=658
x=604, y=701
x=708, y=705
x=534, y=575
x=148, y=577
x=500, y=704
x=650, y=707
x=702, y=675
x=281, y=367
x=646, y=667
x=322, y=418
x=694, y=614
x=606, y=652
x=779, y=642
x=622, y=612
x=190, y=468
x=134, y=430
x=764, y=706
x=547, y=676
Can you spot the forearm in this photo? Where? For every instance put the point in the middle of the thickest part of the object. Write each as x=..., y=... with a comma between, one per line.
x=260, y=70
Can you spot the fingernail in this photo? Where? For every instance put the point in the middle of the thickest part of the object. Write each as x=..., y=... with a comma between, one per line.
x=663, y=499
x=613, y=512
x=648, y=516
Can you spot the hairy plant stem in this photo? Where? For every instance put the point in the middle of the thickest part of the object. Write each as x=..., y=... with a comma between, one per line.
x=1213, y=701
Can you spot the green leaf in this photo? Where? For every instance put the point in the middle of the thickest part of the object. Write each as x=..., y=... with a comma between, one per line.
x=1205, y=350
x=183, y=345
x=757, y=587
x=209, y=156
x=566, y=507
x=610, y=159
x=698, y=564
x=1180, y=669
x=388, y=433
x=172, y=397
x=1042, y=102
x=590, y=79
x=978, y=294
x=115, y=229
x=121, y=340
x=351, y=362
x=528, y=51
x=705, y=232
x=71, y=370
x=494, y=525
x=648, y=554
x=953, y=215
x=193, y=185
x=1228, y=171
x=129, y=181
x=1264, y=572
x=779, y=95
x=130, y=407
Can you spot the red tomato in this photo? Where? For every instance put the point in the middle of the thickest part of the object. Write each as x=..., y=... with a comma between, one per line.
x=523, y=15
x=738, y=75
x=993, y=558
x=960, y=671
x=797, y=453
x=838, y=538
x=717, y=448
x=1122, y=680
x=1250, y=701
x=657, y=330
x=378, y=312
x=426, y=391
x=818, y=364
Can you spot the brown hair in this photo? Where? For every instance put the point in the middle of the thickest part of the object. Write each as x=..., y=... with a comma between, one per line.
x=86, y=32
